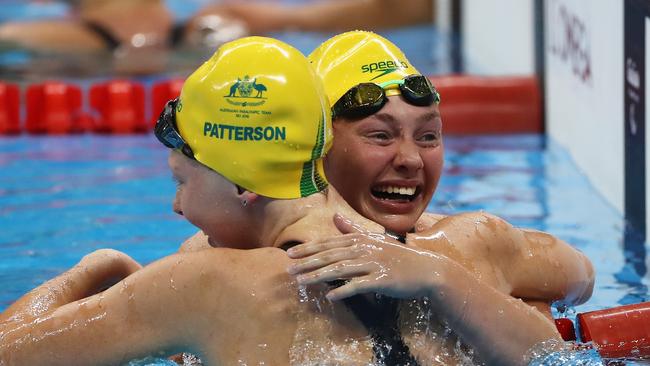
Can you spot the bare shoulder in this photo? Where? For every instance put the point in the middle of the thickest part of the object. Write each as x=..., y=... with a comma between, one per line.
x=471, y=238
x=219, y=281
x=427, y=220
x=225, y=260
x=196, y=242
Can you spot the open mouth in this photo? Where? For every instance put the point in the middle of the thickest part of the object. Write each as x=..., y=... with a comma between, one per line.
x=395, y=193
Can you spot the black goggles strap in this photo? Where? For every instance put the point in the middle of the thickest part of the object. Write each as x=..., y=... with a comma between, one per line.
x=166, y=130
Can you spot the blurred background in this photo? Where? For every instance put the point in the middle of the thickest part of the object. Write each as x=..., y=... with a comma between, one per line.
x=99, y=38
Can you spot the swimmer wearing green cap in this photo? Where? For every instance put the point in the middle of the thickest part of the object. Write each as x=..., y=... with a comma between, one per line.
x=234, y=306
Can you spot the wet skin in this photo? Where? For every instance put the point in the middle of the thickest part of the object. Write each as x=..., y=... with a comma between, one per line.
x=209, y=201
x=398, y=149
x=223, y=293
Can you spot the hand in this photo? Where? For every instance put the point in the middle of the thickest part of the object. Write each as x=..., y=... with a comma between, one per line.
x=93, y=274
x=103, y=268
x=372, y=262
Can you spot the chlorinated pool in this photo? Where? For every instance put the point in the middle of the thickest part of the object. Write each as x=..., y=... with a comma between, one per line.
x=64, y=197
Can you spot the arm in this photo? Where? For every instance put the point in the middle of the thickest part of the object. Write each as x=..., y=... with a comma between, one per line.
x=157, y=308
x=529, y=264
x=262, y=17
x=500, y=328
x=94, y=273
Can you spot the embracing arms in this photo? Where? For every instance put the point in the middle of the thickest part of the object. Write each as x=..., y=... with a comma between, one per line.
x=159, y=308
x=528, y=264
x=94, y=273
x=500, y=328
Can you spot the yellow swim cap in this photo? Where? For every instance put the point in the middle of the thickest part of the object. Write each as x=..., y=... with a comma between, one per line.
x=356, y=57
x=256, y=113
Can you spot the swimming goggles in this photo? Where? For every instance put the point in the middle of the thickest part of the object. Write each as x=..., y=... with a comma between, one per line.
x=368, y=98
x=166, y=130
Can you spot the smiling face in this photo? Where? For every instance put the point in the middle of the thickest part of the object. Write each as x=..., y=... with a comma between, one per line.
x=210, y=202
x=387, y=165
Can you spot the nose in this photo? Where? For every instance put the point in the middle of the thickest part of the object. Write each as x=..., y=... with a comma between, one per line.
x=408, y=158
x=176, y=205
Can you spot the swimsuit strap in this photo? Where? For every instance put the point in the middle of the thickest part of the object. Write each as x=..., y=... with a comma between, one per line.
x=176, y=35
x=174, y=39
x=380, y=318
x=109, y=39
x=381, y=321
x=399, y=237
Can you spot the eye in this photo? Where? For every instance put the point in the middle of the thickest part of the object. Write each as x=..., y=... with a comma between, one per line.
x=429, y=138
x=176, y=181
x=379, y=135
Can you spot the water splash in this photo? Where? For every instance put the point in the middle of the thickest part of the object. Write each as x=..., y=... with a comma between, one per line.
x=316, y=341
x=428, y=338
x=557, y=353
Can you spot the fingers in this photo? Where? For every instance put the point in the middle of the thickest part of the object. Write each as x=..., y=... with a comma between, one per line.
x=341, y=270
x=360, y=285
x=103, y=268
x=346, y=226
x=311, y=248
x=323, y=259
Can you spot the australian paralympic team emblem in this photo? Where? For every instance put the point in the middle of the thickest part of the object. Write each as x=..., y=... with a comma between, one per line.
x=246, y=92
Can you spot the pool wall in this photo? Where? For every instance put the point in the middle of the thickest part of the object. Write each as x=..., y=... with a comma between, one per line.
x=494, y=44
x=584, y=88
x=590, y=57
x=596, y=54
x=579, y=57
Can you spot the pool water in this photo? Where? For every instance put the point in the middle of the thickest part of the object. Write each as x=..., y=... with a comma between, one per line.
x=63, y=197
x=66, y=196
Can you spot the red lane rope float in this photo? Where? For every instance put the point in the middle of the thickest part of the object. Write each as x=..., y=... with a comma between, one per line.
x=623, y=331
x=566, y=329
x=470, y=105
x=486, y=105
x=53, y=107
x=619, y=332
x=161, y=93
x=120, y=104
x=9, y=109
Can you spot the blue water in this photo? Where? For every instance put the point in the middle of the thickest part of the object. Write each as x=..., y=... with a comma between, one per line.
x=63, y=197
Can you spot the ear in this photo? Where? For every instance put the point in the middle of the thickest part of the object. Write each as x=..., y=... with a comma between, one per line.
x=246, y=197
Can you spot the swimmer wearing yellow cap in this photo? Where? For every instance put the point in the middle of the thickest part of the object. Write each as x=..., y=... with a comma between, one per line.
x=259, y=130
x=397, y=163
x=241, y=306
x=386, y=161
